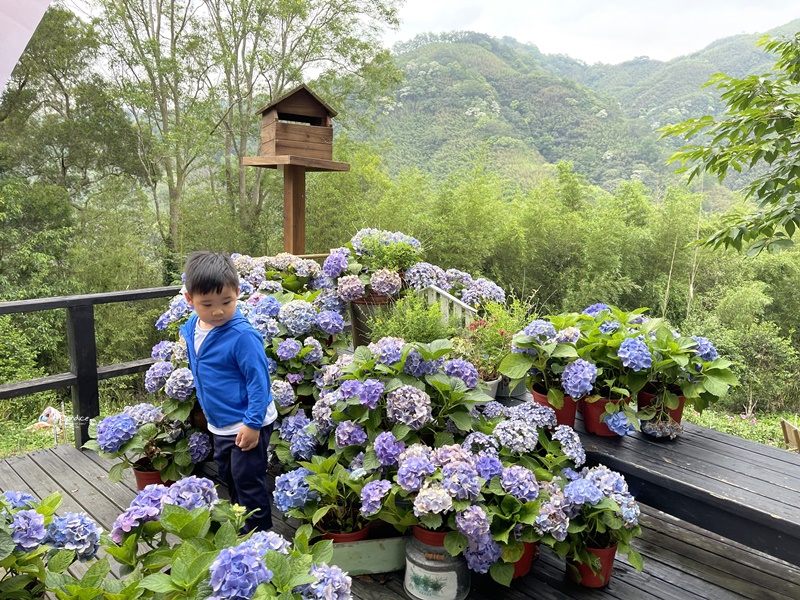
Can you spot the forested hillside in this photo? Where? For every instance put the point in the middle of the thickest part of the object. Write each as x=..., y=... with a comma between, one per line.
x=540, y=172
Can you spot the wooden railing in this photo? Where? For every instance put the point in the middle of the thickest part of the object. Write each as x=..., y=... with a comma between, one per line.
x=450, y=306
x=84, y=374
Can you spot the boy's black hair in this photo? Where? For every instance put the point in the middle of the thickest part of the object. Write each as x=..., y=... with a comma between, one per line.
x=207, y=272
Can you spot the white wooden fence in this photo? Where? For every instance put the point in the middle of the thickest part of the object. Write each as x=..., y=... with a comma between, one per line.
x=449, y=305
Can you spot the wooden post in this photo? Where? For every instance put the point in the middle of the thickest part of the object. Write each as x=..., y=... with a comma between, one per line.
x=294, y=209
x=83, y=364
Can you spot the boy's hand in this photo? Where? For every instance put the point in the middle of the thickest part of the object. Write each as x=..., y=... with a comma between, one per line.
x=247, y=438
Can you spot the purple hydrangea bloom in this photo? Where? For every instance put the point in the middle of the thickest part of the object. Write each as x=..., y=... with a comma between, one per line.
x=619, y=423
x=634, y=354
x=570, y=444
x=192, y=492
x=162, y=350
x=639, y=320
x=492, y=409
x=460, y=480
x=540, y=330
x=482, y=291
x=451, y=453
x=409, y=406
x=292, y=490
x=488, y=466
x=282, y=393
x=298, y=316
x=385, y=282
x=144, y=413
x=595, y=309
x=314, y=354
x=199, y=446
x=336, y=262
x=517, y=436
x=581, y=491
x=178, y=308
x=533, y=413
x=628, y=508
x=28, y=530
x=329, y=300
x=609, y=326
x=705, y=348
x=350, y=288
x=388, y=448
x=288, y=349
x=332, y=584
x=145, y=507
x=292, y=424
x=268, y=327
x=520, y=483
x=472, y=522
x=371, y=392
x=270, y=287
x=552, y=517
x=322, y=411
x=482, y=553
x=237, y=572
x=114, y=431
x=372, y=495
x=19, y=499
x=412, y=472
x=350, y=388
x=261, y=541
x=477, y=442
x=578, y=377
x=610, y=482
x=419, y=367
x=266, y=305
x=568, y=335
x=350, y=434
x=272, y=366
x=387, y=350
x=157, y=376
x=303, y=445
x=457, y=279
x=422, y=274
x=75, y=531
x=462, y=369
x=180, y=384
x=330, y=322
x=295, y=378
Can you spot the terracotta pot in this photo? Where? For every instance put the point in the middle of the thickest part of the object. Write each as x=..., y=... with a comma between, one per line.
x=523, y=566
x=352, y=536
x=145, y=478
x=426, y=536
x=676, y=414
x=564, y=415
x=591, y=417
x=582, y=572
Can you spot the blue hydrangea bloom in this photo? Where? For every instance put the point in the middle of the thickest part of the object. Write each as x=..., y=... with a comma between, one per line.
x=481, y=291
x=595, y=309
x=385, y=282
x=19, y=499
x=462, y=369
x=157, y=376
x=162, y=350
x=372, y=495
x=199, y=446
x=387, y=350
x=705, y=349
x=349, y=434
x=180, y=384
x=332, y=584
x=314, y=354
x=114, y=431
x=417, y=366
x=578, y=377
x=482, y=553
x=27, y=530
x=618, y=423
x=292, y=424
x=520, y=483
x=540, y=330
x=570, y=444
x=282, y=393
x=581, y=491
x=237, y=572
x=336, y=262
x=634, y=354
x=460, y=480
x=409, y=406
x=303, y=445
x=292, y=490
x=144, y=413
x=412, y=472
x=488, y=466
x=298, y=316
x=422, y=274
x=75, y=531
x=330, y=322
x=388, y=448
x=192, y=492
x=288, y=349
x=472, y=522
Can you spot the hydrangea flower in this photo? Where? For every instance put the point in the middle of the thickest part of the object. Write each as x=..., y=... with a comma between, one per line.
x=417, y=366
x=462, y=369
x=288, y=349
x=145, y=507
x=412, y=472
x=517, y=436
x=540, y=330
x=329, y=300
x=619, y=423
x=261, y=541
x=432, y=498
x=460, y=480
x=705, y=348
x=533, y=413
x=472, y=522
x=520, y=483
x=157, y=376
x=292, y=490
x=350, y=434
x=178, y=308
x=457, y=279
x=162, y=350
x=114, y=431
x=298, y=316
x=581, y=491
x=422, y=274
x=595, y=309
x=409, y=406
x=570, y=444
x=192, y=492
x=303, y=445
x=371, y=392
x=75, y=531
x=179, y=351
x=552, y=518
x=482, y=553
x=492, y=409
x=322, y=412
x=180, y=384
x=451, y=453
x=608, y=481
x=578, y=377
x=387, y=350
x=372, y=495
x=385, y=282
x=350, y=287
x=330, y=322
x=336, y=262
x=27, y=530
x=635, y=354
x=292, y=424
x=270, y=287
x=266, y=305
x=295, y=378
x=482, y=291
x=237, y=572
x=477, y=442
x=199, y=446
x=19, y=499
x=314, y=354
x=568, y=335
x=388, y=449
x=283, y=393
x=144, y=413
x=332, y=584
x=488, y=466
x=609, y=326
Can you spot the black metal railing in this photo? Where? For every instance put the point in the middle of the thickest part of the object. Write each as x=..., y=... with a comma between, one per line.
x=84, y=374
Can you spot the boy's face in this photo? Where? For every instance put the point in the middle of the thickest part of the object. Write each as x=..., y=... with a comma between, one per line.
x=215, y=308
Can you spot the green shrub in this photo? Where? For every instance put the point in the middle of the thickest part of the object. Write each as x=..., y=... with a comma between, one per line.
x=410, y=318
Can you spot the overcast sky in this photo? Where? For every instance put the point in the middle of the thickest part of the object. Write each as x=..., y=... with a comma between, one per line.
x=609, y=31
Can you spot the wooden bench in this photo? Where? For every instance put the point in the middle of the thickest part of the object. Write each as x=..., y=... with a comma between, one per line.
x=743, y=490
x=791, y=436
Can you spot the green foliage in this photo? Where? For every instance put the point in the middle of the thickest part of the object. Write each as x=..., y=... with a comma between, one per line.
x=410, y=318
x=762, y=428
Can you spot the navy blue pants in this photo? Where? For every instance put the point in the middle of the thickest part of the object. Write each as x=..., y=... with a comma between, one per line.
x=245, y=474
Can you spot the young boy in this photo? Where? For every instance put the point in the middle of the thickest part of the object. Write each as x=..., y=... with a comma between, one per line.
x=231, y=377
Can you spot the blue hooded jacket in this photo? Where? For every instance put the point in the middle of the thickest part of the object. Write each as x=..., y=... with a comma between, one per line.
x=231, y=375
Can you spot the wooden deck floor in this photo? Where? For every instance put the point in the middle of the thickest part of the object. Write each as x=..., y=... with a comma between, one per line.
x=682, y=561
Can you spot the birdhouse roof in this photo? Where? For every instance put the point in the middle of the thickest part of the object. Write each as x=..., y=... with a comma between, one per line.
x=290, y=101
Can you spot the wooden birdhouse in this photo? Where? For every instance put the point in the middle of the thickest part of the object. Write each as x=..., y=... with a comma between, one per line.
x=296, y=136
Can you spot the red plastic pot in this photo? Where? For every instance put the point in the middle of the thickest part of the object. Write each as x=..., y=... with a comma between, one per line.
x=564, y=415
x=352, y=536
x=582, y=572
x=646, y=399
x=523, y=566
x=426, y=536
x=591, y=417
